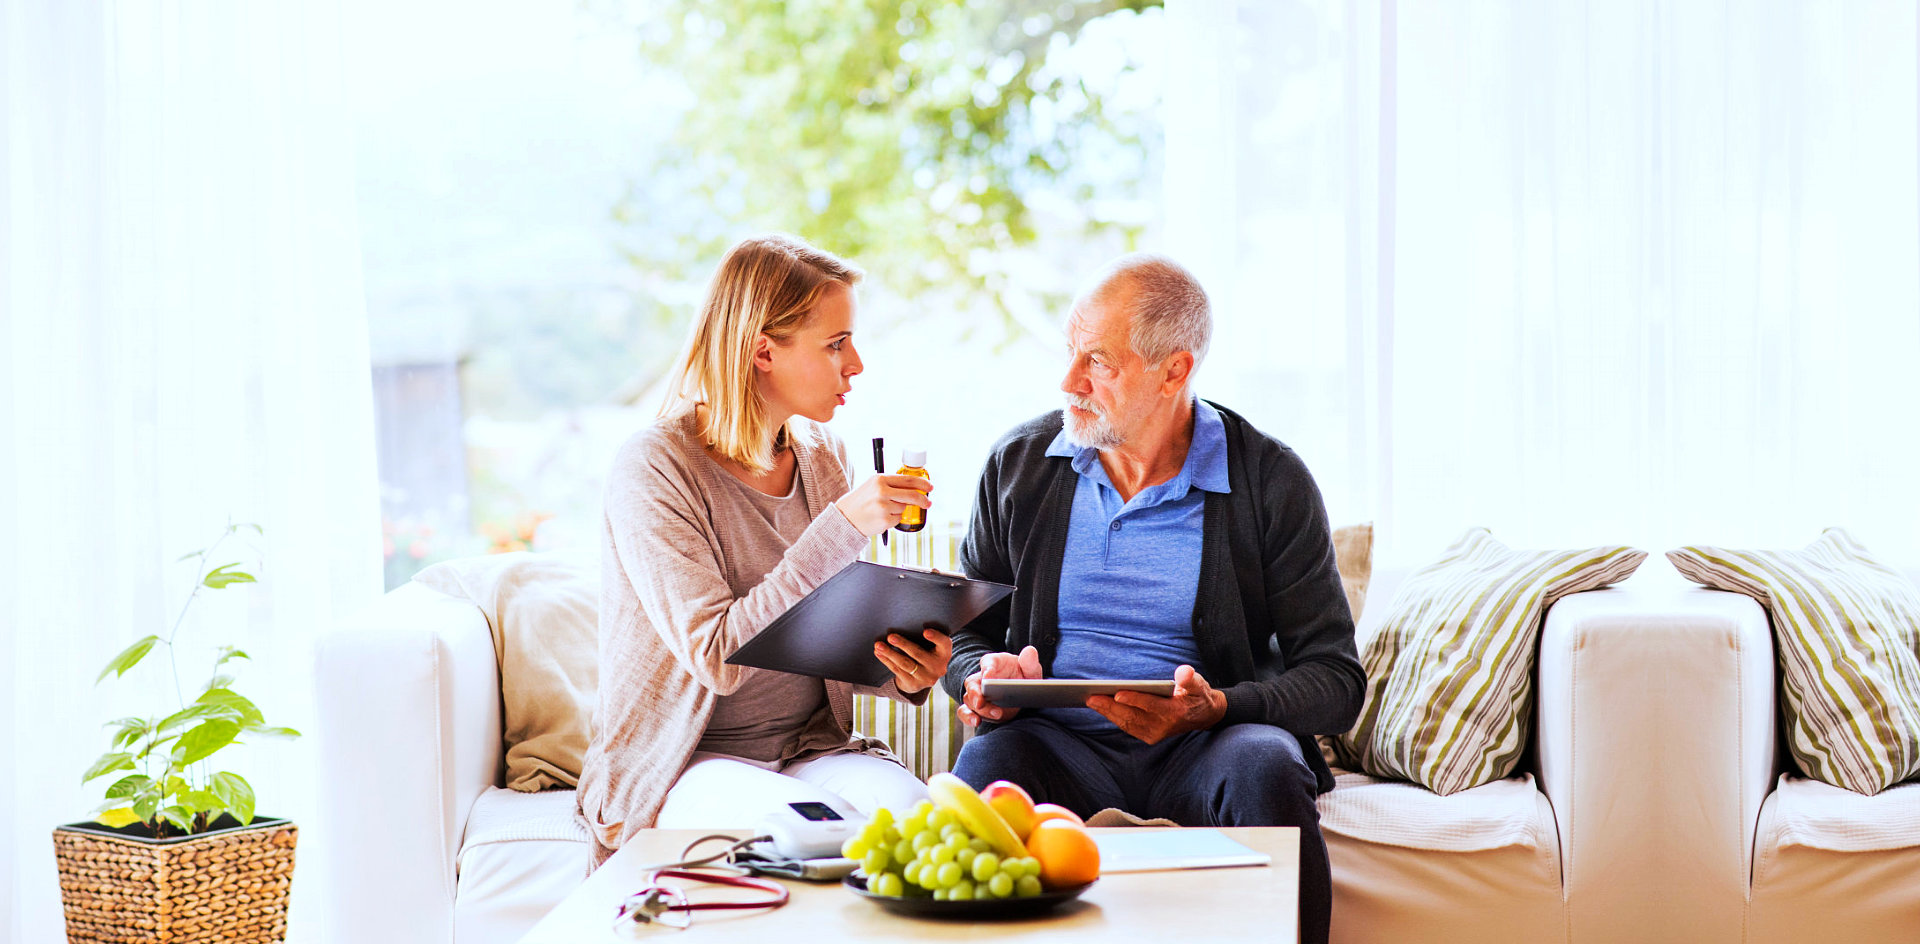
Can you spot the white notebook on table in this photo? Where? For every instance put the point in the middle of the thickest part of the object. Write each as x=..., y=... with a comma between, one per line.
x=1151, y=849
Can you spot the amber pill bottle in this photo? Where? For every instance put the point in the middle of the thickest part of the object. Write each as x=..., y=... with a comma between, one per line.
x=913, y=462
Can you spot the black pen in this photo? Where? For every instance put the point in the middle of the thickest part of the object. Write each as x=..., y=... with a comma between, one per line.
x=880, y=468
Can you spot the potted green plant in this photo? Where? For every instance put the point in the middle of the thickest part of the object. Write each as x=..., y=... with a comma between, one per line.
x=176, y=852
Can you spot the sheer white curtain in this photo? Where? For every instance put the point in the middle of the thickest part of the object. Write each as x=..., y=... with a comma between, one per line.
x=183, y=341
x=1576, y=271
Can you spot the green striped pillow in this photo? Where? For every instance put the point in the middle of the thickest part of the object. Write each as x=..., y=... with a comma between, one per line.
x=1846, y=632
x=1450, y=674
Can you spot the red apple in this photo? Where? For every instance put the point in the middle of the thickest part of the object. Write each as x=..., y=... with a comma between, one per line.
x=1013, y=804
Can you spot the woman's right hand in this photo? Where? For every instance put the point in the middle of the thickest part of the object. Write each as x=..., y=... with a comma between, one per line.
x=876, y=505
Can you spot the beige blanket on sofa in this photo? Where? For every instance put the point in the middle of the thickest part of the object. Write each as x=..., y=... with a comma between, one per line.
x=544, y=613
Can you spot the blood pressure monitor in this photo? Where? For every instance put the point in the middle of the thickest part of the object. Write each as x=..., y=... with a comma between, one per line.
x=807, y=831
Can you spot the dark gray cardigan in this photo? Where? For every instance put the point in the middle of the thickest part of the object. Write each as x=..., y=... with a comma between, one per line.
x=1270, y=618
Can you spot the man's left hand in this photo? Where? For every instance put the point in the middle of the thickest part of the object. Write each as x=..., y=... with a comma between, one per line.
x=1194, y=705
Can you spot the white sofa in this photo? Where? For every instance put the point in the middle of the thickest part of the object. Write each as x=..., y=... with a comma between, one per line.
x=409, y=736
x=1649, y=814
x=1639, y=756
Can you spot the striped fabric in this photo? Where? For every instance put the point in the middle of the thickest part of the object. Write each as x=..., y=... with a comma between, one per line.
x=927, y=739
x=1846, y=632
x=1450, y=674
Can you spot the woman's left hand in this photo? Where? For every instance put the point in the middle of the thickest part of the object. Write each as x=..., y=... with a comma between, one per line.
x=915, y=669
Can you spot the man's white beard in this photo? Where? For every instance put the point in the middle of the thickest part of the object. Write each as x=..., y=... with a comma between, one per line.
x=1096, y=433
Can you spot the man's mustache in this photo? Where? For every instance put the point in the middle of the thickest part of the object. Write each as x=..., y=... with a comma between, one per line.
x=1089, y=406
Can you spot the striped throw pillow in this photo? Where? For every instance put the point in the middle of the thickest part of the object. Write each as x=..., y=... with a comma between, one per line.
x=1846, y=632
x=1450, y=674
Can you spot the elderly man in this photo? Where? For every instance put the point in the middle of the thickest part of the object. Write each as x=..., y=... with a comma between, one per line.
x=1154, y=535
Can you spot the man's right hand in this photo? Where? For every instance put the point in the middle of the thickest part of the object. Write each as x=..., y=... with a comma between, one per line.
x=974, y=707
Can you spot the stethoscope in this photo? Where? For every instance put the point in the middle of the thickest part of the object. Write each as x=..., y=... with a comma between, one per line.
x=669, y=907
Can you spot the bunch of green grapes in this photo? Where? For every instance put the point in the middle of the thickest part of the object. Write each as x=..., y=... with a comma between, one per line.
x=929, y=854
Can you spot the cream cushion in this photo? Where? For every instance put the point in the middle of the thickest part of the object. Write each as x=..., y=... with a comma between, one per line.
x=1508, y=812
x=1450, y=673
x=1353, y=555
x=522, y=853
x=1847, y=634
x=1480, y=866
x=543, y=610
x=1834, y=865
x=1803, y=812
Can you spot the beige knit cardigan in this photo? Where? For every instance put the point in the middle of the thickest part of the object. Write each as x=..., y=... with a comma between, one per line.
x=668, y=618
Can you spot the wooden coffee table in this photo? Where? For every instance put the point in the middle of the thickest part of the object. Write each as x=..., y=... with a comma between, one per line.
x=1148, y=907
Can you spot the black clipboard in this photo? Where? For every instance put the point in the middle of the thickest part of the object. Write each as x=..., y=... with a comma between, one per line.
x=830, y=633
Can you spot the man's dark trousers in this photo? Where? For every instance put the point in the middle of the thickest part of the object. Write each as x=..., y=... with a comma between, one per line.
x=1238, y=775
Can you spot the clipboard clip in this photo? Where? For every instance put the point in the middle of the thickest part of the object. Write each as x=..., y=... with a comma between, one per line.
x=935, y=571
x=951, y=584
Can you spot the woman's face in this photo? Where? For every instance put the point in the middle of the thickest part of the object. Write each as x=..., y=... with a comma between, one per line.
x=810, y=373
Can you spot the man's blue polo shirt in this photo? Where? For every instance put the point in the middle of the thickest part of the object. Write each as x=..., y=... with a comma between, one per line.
x=1131, y=570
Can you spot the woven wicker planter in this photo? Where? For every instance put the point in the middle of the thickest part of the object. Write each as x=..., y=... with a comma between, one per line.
x=230, y=885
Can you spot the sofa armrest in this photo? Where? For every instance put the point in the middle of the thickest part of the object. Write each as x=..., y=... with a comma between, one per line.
x=409, y=738
x=1656, y=748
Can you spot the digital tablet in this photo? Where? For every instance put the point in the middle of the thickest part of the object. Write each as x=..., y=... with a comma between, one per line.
x=1065, y=693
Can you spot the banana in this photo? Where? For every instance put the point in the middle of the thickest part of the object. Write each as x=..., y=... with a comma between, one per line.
x=954, y=795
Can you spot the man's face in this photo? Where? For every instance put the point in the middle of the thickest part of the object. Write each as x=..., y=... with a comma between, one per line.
x=1110, y=391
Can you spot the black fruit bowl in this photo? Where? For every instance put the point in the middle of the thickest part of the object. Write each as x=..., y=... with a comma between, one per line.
x=970, y=910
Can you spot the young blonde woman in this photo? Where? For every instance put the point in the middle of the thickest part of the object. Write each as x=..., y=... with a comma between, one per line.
x=721, y=515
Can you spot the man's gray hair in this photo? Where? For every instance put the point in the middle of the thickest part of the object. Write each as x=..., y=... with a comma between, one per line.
x=1169, y=312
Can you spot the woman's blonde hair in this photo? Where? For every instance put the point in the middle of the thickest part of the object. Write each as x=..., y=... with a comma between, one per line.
x=765, y=285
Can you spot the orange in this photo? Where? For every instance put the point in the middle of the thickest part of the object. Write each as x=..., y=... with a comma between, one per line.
x=1067, y=853
x=1046, y=811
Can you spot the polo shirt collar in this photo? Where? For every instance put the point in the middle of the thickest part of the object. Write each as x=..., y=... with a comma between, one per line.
x=1206, y=465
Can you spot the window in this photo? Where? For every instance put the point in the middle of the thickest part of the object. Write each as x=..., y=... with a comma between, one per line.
x=546, y=187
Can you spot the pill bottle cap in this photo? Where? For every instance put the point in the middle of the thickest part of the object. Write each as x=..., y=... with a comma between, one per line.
x=916, y=458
